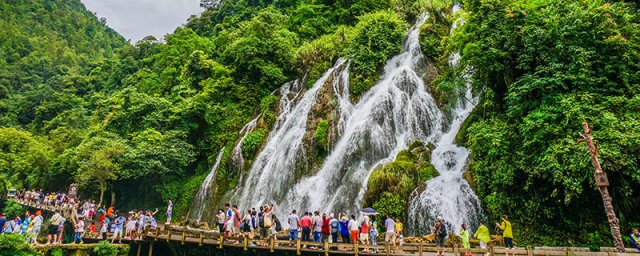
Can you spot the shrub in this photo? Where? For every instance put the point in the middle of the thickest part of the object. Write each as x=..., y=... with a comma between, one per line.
x=105, y=248
x=252, y=142
x=322, y=135
x=15, y=245
x=377, y=37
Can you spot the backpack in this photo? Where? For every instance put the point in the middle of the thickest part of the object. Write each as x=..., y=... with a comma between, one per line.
x=278, y=225
x=334, y=226
x=443, y=230
x=261, y=220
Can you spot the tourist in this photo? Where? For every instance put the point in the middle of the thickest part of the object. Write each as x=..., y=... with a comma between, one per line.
x=78, y=229
x=483, y=235
x=354, y=229
x=635, y=238
x=228, y=220
x=130, y=227
x=398, y=228
x=507, y=232
x=390, y=234
x=119, y=222
x=237, y=220
x=334, y=225
x=464, y=235
x=344, y=229
x=326, y=229
x=54, y=223
x=305, y=224
x=169, y=211
x=37, y=226
x=374, y=234
x=364, y=234
x=294, y=223
x=440, y=231
x=92, y=230
x=3, y=221
x=263, y=229
x=104, y=228
x=221, y=220
x=317, y=227
x=246, y=226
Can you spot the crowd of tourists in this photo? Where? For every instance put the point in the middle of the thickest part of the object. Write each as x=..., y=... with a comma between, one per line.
x=86, y=219
x=342, y=228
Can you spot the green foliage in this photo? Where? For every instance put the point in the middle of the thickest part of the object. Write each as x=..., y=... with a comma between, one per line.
x=13, y=209
x=410, y=170
x=105, y=248
x=252, y=143
x=377, y=36
x=15, y=245
x=57, y=252
x=322, y=135
x=549, y=66
x=24, y=158
x=390, y=203
x=260, y=51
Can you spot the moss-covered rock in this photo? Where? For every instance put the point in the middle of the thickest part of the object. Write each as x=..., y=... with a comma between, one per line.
x=410, y=170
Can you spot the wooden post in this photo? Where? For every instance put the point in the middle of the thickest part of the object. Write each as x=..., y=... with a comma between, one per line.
x=491, y=250
x=602, y=182
x=157, y=234
x=355, y=248
x=245, y=243
x=420, y=248
x=183, y=237
x=272, y=242
x=221, y=240
x=201, y=239
x=387, y=248
x=298, y=247
x=456, y=250
x=151, y=248
x=139, y=249
x=168, y=235
x=326, y=248
x=529, y=251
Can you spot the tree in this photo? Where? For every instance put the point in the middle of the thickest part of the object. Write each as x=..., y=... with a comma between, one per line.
x=99, y=160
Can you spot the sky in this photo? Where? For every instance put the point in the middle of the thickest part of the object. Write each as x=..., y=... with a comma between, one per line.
x=136, y=19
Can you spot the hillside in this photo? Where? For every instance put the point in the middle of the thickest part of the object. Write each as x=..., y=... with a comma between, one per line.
x=275, y=89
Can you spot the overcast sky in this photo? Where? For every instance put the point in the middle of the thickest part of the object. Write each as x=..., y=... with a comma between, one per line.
x=135, y=19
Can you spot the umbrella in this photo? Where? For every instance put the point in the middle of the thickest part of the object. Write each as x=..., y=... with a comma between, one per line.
x=369, y=211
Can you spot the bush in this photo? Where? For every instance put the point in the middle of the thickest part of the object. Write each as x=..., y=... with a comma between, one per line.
x=391, y=204
x=105, y=248
x=13, y=209
x=15, y=245
x=252, y=143
x=377, y=37
x=322, y=135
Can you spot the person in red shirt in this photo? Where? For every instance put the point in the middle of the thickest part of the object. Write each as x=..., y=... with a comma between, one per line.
x=92, y=230
x=326, y=230
x=305, y=224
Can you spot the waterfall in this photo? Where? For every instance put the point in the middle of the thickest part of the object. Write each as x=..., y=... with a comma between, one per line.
x=272, y=172
x=393, y=113
x=449, y=195
x=205, y=191
x=236, y=153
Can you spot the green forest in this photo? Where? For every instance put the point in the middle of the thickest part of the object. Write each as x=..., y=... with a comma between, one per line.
x=139, y=123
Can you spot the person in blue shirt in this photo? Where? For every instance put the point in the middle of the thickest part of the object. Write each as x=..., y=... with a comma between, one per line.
x=119, y=227
x=635, y=238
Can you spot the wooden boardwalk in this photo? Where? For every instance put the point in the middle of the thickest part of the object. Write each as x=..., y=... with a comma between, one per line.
x=212, y=239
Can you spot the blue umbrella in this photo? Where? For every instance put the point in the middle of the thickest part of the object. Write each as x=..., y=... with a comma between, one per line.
x=369, y=211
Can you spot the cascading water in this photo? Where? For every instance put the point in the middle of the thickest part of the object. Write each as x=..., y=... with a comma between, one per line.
x=272, y=172
x=395, y=112
x=236, y=154
x=448, y=195
x=205, y=191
